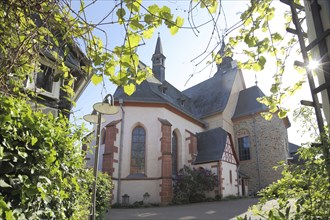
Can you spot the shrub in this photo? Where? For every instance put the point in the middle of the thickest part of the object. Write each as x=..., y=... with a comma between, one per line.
x=103, y=194
x=42, y=174
x=303, y=192
x=190, y=185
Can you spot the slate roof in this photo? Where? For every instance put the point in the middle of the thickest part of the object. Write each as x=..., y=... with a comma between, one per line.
x=211, y=96
x=211, y=145
x=293, y=149
x=247, y=103
x=208, y=97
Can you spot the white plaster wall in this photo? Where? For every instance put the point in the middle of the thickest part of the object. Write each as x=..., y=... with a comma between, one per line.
x=148, y=118
x=114, y=193
x=137, y=188
x=230, y=188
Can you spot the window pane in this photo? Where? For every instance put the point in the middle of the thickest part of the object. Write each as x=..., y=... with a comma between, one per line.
x=45, y=78
x=138, y=150
x=244, y=148
x=174, y=154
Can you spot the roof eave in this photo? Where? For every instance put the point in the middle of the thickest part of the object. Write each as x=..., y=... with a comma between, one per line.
x=198, y=121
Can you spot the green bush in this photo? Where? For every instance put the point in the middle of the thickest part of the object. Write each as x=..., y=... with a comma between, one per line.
x=190, y=185
x=42, y=170
x=304, y=190
x=103, y=194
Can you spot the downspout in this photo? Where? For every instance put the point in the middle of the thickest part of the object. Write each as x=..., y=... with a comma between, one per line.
x=257, y=153
x=238, y=180
x=121, y=101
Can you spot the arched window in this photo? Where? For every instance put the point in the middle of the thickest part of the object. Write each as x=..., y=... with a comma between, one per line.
x=103, y=134
x=244, y=148
x=138, y=150
x=174, y=154
x=230, y=177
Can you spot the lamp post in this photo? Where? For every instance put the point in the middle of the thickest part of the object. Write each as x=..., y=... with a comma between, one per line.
x=106, y=107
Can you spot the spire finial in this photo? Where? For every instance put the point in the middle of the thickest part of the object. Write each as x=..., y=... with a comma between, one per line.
x=159, y=48
x=158, y=61
x=256, y=82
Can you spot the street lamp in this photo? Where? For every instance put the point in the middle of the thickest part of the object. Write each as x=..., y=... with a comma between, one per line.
x=107, y=108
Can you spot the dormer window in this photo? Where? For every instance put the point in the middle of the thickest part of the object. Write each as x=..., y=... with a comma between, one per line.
x=43, y=80
x=182, y=101
x=163, y=89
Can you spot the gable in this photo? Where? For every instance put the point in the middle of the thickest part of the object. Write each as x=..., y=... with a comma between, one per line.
x=228, y=153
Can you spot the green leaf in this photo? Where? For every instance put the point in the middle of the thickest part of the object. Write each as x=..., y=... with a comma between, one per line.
x=3, y=204
x=22, y=154
x=282, y=113
x=96, y=79
x=9, y=215
x=174, y=30
x=262, y=61
x=136, y=25
x=179, y=21
x=268, y=116
x=1, y=152
x=129, y=89
x=276, y=37
x=121, y=13
x=134, y=40
x=214, y=6
x=149, y=18
x=218, y=59
x=153, y=9
x=256, y=67
x=3, y=184
x=148, y=33
x=51, y=157
x=33, y=140
x=250, y=41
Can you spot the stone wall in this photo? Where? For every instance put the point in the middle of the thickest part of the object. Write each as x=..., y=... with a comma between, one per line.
x=268, y=146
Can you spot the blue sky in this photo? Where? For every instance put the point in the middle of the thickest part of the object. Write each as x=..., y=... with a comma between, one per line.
x=180, y=50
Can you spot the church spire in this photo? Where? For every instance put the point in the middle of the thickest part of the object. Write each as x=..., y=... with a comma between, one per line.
x=159, y=48
x=158, y=61
x=226, y=61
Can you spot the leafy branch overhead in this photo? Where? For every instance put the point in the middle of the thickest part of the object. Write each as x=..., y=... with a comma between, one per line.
x=262, y=40
x=51, y=28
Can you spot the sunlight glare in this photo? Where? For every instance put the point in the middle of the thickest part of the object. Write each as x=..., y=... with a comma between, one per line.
x=313, y=65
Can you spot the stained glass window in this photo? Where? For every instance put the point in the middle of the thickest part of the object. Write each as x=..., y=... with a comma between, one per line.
x=174, y=154
x=138, y=150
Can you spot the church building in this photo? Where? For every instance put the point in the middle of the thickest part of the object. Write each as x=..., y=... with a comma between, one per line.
x=215, y=124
